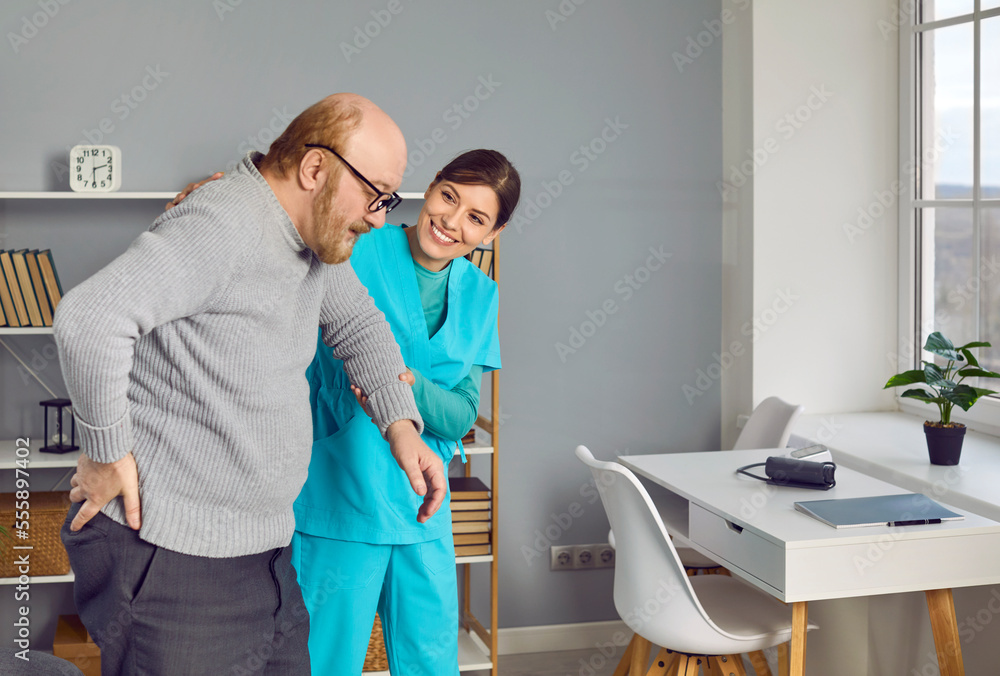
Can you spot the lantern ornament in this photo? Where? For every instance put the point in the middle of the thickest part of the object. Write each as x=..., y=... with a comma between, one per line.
x=57, y=442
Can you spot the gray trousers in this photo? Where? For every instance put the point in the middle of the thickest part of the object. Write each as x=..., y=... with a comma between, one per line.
x=157, y=612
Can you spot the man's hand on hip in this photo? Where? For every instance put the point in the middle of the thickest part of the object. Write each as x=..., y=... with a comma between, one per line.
x=95, y=484
x=423, y=467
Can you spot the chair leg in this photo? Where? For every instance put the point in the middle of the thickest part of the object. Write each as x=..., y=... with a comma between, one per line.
x=664, y=660
x=732, y=665
x=784, y=660
x=725, y=665
x=680, y=666
x=694, y=665
x=640, y=656
x=759, y=663
x=713, y=667
x=623, y=665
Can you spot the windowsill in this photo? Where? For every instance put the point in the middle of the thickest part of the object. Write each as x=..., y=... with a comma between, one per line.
x=891, y=447
x=983, y=417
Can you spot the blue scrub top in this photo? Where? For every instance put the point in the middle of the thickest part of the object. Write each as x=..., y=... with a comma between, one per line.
x=355, y=490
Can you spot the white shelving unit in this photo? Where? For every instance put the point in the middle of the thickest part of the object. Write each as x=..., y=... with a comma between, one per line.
x=25, y=330
x=36, y=459
x=20, y=195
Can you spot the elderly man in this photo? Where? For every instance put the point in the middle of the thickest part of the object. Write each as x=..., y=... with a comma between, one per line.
x=185, y=361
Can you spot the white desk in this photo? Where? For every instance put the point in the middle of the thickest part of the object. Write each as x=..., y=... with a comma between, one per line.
x=753, y=529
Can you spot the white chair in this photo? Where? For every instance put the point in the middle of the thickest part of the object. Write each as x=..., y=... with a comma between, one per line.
x=704, y=620
x=769, y=426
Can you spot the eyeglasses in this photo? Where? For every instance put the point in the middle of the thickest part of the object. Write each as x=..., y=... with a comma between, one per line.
x=382, y=201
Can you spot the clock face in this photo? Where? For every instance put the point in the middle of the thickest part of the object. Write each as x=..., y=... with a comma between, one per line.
x=95, y=168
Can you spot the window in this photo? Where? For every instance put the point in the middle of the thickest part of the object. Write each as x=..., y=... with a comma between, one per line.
x=950, y=161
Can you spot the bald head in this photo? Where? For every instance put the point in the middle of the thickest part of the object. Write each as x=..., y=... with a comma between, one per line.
x=323, y=197
x=333, y=122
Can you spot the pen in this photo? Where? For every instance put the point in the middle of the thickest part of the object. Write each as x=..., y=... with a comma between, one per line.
x=915, y=522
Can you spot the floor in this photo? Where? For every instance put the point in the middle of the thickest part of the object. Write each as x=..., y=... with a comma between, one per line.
x=568, y=663
x=590, y=662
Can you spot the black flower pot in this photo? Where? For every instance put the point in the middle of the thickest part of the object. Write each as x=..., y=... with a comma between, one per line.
x=944, y=444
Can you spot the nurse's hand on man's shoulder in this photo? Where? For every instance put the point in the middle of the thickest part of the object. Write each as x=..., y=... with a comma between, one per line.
x=423, y=467
x=190, y=188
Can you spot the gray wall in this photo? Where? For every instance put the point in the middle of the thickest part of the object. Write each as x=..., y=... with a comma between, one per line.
x=226, y=74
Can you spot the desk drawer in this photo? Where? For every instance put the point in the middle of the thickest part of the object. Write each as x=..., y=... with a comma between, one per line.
x=742, y=548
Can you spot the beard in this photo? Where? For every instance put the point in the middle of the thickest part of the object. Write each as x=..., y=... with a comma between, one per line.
x=334, y=241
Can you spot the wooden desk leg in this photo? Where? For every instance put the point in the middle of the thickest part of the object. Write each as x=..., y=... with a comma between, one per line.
x=800, y=623
x=941, y=607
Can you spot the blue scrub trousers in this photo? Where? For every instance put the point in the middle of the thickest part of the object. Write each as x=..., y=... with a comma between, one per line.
x=413, y=588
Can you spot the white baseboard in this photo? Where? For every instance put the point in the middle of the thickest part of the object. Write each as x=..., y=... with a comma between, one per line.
x=555, y=637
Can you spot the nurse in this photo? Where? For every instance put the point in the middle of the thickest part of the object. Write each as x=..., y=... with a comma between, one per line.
x=357, y=547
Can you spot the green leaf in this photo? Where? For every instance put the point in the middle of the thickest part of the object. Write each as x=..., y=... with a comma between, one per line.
x=975, y=344
x=961, y=395
x=933, y=375
x=906, y=378
x=939, y=345
x=924, y=396
x=969, y=357
x=968, y=372
x=982, y=393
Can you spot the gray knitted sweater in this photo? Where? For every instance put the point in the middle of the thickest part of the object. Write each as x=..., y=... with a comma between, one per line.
x=190, y=350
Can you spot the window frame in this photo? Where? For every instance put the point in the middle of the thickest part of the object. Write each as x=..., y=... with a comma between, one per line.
x=914, y=252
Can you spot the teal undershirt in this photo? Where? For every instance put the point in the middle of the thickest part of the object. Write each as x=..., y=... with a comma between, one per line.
x=450, y=414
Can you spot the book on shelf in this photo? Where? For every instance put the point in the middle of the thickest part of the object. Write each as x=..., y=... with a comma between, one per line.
x=7, y=302
x=482, y=259
x=10, y=278
x=470, y=526
x=458, y=505
x=30, y=257
x=53, y=287
x=27, y=291
x=470, y=437
x=471, y=538
x=467, y=488
x=483, y=515
x=472, y=550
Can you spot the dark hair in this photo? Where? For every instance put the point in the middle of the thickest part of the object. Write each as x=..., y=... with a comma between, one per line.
x=489, y=168
x=330, y=122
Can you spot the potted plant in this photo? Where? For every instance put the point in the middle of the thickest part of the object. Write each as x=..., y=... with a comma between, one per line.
x=945, y=389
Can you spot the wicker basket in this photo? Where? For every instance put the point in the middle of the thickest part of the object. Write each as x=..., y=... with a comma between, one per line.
x=46, y=513
x=376, y=659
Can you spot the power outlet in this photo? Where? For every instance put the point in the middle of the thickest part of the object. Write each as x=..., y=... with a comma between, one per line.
x=582, y=557
x=561, y=558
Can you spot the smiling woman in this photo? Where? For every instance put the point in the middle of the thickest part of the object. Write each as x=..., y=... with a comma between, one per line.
x=351, y=537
